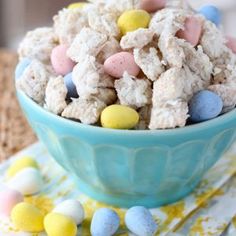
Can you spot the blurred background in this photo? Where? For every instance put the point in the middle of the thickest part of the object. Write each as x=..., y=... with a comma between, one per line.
x=19, y=16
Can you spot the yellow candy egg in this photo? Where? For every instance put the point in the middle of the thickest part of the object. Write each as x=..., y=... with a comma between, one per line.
x=20, y=164
x=119, y=117
x=59, y=225
x=26, y=217
x=77, y=5
x=132, y=20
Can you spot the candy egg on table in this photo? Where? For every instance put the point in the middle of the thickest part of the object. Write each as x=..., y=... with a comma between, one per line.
x=152, y=5
x=26, y=217
x=21, y=66
x=211, y=13
x=56, y=224
x=119, y=117
x=139, y=221
x=61, y=63
x=205, y=105
x=72, y=92
x=231, y=43
x=77, y=5
x=105, y=222
x=71, y=208
x=28, y=181
x=132, y=20
x=192, y=30
x=120, y=62
x=20, y=164
x=9, y=198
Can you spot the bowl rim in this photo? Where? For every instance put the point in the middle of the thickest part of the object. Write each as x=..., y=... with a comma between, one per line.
x=186, y=129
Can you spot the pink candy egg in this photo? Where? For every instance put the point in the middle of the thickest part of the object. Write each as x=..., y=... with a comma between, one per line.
x=192, y=31
x=61, y=63
x=120, y=62
x=8, y=199
x=152, y=5
x=231, y=43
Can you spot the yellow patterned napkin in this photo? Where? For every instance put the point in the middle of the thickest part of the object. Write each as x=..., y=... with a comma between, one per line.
x=208, y=211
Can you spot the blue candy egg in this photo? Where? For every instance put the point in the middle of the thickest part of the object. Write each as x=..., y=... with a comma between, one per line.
x=140, y=222
x=105, y=222
x=20, y=68
x=211, y=13
x=205, y=105
x=72, y=92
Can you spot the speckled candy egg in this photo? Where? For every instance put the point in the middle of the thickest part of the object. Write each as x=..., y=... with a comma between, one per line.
x=152, y=5
x=61, y=63
x=28, y=181
x=211, y=13
x=59, y=225
x=71, y=208
x=8, y=199
x=192, y=31
x=231, y=43
x=105, y=222
x=139, y=221
x=72, y=92
x=26, y=217
x=21, y=66
x=120, y=62
x=119, y=117
x=132, y=20
x=21, y=164
x=205, y=105
x=77, y=5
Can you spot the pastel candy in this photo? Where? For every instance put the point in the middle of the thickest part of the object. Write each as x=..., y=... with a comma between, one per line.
x=105, y=222
x=205, y=105
x=192, y=30
x=152, y=5
x=71, y=208
x=132, y=20
x=28, y=181
x=77, y=5
x=26, y=217
x=72, y=92
x=59, y=225
x=119, y=117
x=21, y=66
x=8, y=199
x=231, y=43
x=20, y=164
x=61, y=63
x=120, y=62
x=211, y=13
x=140, y=221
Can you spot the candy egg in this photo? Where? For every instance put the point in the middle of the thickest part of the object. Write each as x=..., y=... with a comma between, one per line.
x=132, y=20
x=77, y=5
x=211, y=13
x=8, y=199
x=231, y=43
x=120, y=62
x=20, y=68
x=59, y=225
x=26, y=217
x=20, y=164
x=152, y=5
x=205, y=105
x=140, y=221
x=61, y=63
x=192, y=30
x=28, y=181
x=72, y=92
x=71, y=208
x=105, y=222
x=119, y=117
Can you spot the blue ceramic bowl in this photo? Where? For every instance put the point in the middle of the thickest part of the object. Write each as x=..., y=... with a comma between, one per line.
x=125, y=167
